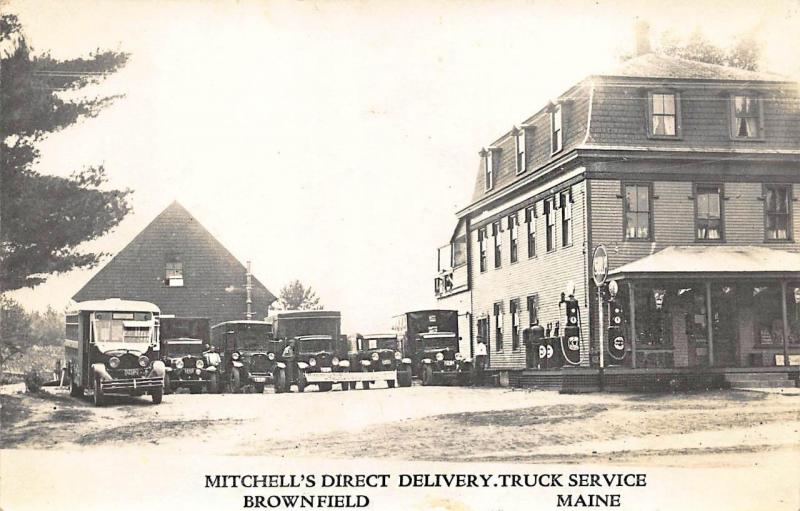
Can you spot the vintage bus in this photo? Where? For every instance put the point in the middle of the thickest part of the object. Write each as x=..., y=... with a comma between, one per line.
x=112, y=348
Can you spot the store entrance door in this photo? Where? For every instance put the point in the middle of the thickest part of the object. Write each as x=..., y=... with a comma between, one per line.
x=724, y=306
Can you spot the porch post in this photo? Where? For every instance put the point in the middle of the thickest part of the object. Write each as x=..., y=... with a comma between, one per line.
x=632, y=307
x=785, y=324
x=709, y=325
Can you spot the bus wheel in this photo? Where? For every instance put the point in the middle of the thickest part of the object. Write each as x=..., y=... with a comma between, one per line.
x=167, y=384
x=280, y=381
x=404, y=378
x=427, y=375
x=99, y=397
x=157, y=395
x=213, y=384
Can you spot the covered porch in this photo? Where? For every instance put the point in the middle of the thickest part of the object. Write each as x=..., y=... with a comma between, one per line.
x=714, y=307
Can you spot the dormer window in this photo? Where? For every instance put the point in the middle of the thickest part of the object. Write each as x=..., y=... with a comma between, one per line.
x=664, y=114
x=556, y=132
x=173, y=273
x=746, y=116
x=520, y=143
x=488, y=169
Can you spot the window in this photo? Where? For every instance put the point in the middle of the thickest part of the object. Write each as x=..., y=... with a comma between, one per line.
x=498, y=261
x=556, y=132
x=746, y=117
x=533, y=310
x=483, y=330
x=482, y=248
x=777, y=212
x=513, y=233
x=489, y=169
x=513, y=307
x=566, y=218
x=663, y=115
x=708, y=212
x=173, y=273
x=520, y=142
x=637, y=211
x=498, y=326
x=530, y=220
x=550, y=223
x=459, y=251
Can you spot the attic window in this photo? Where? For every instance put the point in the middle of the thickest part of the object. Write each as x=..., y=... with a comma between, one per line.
x=489, y=170
x=556, y=132
x=520, y=143
x=173, y=273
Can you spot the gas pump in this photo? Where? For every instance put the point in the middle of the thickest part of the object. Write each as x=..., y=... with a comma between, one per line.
x=616, y=335
x=533, y=338
x=571, y=341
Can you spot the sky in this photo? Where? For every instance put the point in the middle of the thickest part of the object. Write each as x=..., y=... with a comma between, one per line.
x=333, y=142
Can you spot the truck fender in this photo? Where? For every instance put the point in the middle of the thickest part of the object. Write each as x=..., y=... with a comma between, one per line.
x=280, y=365
x=426, y=361
x=406, y=361
x=100, y=370
x=158, y=370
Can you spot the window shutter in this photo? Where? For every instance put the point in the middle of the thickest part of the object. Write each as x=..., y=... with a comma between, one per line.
x=527, y=215
x=557, y=201
x=547, y=207
x=480, y=235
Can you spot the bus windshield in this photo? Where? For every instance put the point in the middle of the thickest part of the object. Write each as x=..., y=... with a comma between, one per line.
x=130, y=327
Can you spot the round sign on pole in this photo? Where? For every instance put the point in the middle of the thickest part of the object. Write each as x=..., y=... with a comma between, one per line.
x=600, y=265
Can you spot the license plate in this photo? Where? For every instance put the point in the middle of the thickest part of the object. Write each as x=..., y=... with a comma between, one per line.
x=325, y=369
x=449, y=362
x=259, y=379
x=386, y=362
x=130, y=372
x=189, y=372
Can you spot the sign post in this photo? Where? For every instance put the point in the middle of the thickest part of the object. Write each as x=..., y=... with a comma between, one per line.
x=599, y=274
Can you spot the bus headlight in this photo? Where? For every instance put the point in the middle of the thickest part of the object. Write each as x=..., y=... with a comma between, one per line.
x=113, y=362
x=199, y=364
x=440, y=356
x=312, y=361
x=143, y=361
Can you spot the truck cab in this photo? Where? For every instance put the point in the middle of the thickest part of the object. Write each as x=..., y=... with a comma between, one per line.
x=381, y=352
x=247, y=353
x=112, y=348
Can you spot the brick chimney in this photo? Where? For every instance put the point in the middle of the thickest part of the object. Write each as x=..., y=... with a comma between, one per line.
x=642, y=32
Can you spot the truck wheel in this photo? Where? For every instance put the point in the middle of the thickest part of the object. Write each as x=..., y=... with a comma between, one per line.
x=259, y=387
x=99, y=397
x=235, y=383
x=157, y=395
x=167, y=384
x=404, y=378
x=345, y=385
x=195, y=389
x=280, y=381
x=365, y=385
x=325, y=387
x=390, y=383
x=427, y=375
x=352, y=385
x=213, y=384
x=301, y=381
x=75, y=390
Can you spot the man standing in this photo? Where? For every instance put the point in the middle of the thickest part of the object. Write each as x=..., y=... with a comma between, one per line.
x=480, y=361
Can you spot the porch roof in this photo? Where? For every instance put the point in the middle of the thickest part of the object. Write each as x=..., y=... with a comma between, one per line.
x=742, y=261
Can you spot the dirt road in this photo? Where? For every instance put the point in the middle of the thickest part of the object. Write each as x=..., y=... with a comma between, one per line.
x=732, y=435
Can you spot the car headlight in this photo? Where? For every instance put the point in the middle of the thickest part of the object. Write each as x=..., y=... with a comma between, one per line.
x=143, y=361
x=178, y=364
x=440, y=356
x=335, y=361
x=199, y=364
x=271, y=356
x=397, y=355
x=235, y=355
x=459, y=356
x=113, y=362
x=375, y=356
x=312, y=361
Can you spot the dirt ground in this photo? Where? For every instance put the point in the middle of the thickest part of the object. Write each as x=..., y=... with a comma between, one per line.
x=732, y=431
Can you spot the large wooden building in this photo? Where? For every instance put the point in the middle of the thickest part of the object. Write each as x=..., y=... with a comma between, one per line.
x=685, y=172
x=178, y=265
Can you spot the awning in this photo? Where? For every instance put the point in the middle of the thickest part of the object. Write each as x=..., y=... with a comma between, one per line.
x=712, y=262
